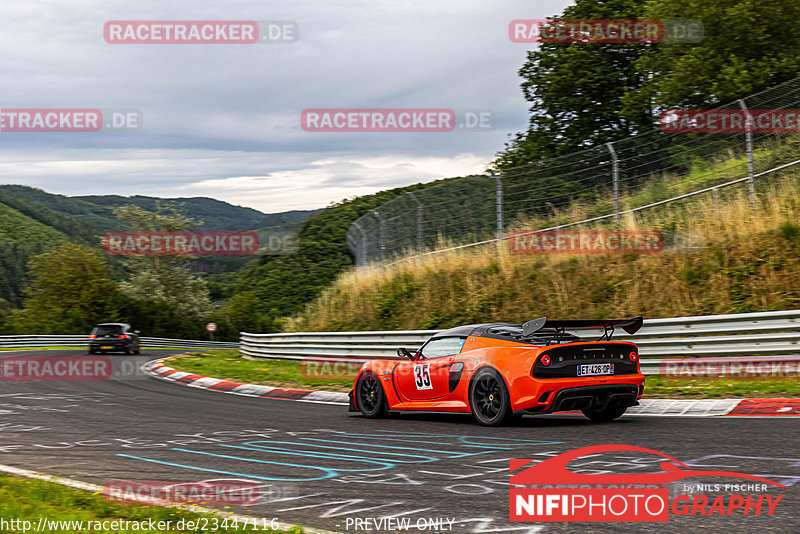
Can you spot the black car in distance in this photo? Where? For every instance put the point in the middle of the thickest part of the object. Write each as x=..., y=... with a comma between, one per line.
x=107, y=337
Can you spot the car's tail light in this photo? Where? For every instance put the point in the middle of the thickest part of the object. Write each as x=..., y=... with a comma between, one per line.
x=123, y=336
x=633, y=356
x=92, y=336
x=545, y=359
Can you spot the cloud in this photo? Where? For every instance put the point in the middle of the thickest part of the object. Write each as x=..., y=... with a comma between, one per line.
x=223, y=120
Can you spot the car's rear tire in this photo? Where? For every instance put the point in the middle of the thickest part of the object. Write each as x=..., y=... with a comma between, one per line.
x=488, y=398
x=604, y=415
x=369, y=395
x=136, y=351
x=90, y=351
x=127, y=350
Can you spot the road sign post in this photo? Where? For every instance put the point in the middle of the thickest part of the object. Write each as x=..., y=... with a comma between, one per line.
x=211, y=327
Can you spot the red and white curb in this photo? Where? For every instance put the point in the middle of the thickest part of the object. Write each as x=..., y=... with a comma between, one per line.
x=647, y=407
x=158, y=370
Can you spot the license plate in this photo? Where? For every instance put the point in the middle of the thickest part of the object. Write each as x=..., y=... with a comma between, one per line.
x=596, y=369
x=107, y=347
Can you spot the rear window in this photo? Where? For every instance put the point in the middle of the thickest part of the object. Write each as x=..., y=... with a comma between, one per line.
x=109, y=329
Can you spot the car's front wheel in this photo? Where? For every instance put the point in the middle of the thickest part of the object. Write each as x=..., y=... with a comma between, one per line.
x=604, y=415
x=370, y=397
x=489, y=399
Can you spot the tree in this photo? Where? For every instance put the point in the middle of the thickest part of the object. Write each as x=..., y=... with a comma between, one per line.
x=71, y=291
x=241, y=314
x=748, y=46
x=576, y=90
x=164, y=278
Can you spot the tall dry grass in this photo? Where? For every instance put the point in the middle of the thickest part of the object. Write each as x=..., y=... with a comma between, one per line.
x=749, y=261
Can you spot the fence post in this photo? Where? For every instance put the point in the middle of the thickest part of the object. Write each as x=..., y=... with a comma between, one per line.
x=748, y=133
x=499, y=205
x=363, y=259
x=419, y=220
x=614, y=179
x=381, y=235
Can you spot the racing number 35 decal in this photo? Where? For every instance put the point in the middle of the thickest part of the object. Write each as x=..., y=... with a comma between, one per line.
x=422, y=376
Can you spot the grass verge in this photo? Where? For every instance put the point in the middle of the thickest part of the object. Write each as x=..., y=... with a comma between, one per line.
x=719, y=387
x=23, y=499
x=227, y=365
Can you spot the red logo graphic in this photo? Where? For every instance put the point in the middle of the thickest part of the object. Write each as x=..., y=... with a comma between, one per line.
x=378, y=120
x=180, y=243
x=730, y=120
x=587, y=242
x=329, y=369
x=585, y=31
x=610, y=497
x=205, y=492
x=735, y=366
x=50, y=120
x=181, y=31
x=56, y=368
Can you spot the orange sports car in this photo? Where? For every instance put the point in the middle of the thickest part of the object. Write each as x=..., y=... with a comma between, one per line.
x=500, y=371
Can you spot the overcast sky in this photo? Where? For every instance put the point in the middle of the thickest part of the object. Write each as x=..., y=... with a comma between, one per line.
x=224, y=120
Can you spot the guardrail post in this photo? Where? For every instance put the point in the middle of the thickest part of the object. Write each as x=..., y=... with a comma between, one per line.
x=614, y=179
x=748, y=133
x=419, y=221
x=381, y=234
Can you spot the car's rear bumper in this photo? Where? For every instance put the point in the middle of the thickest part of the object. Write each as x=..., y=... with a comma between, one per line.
x=115, y=345
x=596, y=396
x=550, y=395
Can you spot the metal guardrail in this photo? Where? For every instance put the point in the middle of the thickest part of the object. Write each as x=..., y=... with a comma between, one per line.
x=83, y=340
x=742, y=335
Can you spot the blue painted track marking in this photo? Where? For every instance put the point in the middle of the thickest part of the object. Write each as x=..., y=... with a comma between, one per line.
x=334, y=456
x=349, y=443
x=331, y=473
x=377, y=445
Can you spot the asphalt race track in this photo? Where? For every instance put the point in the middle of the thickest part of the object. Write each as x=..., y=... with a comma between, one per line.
x=320, y=467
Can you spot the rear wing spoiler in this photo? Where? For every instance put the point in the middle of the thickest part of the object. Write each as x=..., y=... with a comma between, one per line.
x=631, y=326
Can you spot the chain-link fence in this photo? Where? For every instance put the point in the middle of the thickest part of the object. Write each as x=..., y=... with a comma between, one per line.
x=654, y=168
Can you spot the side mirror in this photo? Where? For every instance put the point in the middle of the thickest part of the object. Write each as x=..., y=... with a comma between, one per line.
x=404, y=353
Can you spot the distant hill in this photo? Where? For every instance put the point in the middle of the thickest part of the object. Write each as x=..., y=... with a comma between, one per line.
x=33, y=221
